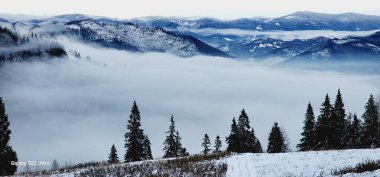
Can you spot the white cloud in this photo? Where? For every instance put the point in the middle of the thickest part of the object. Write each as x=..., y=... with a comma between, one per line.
x=76, y=109
x=283, y=35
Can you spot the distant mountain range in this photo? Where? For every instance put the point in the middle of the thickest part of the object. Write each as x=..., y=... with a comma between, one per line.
x=301, y=20
x=117, y=34
x=315, y=49
x=184, y=37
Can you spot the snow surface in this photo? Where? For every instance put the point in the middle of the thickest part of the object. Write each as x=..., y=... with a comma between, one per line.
x=292, y=164
x=312, y=163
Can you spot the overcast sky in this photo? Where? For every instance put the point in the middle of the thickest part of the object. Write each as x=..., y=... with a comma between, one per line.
x=213, y=8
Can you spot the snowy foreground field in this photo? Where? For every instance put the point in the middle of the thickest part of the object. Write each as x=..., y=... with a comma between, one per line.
x=292, y=164
x=299, y=163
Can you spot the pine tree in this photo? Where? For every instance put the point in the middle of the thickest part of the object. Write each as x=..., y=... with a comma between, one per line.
x=276, y=140
x=7, y=154
x=172, y=143
x=258, y=147
x=242, y=138
x=180, y=150
x=112, y=158
x=371, y=129
x=233, y=139
x=244, y=132
x=206, y=144
x=324, y=130
x=147, y=149
x=55, y=165
x=353, y=132
x=134, y=138
x=338, y=122
x=308, y=134
x=218, y=144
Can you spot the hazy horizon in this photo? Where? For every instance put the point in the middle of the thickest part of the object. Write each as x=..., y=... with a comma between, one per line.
x=220, y=9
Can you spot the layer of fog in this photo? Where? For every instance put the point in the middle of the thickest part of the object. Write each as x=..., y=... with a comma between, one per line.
x=75, y=109
x=283, y=35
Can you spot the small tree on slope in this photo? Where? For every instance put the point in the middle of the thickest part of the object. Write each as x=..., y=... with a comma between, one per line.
x=242, y=137
x=324, y=130
x=233, y=139
x=7, y=154
x=147, y=149
x=338, y=122
x=112, y=158
x=246, y=141
x=353, y=132
x=218, y=144
x=172, y=144
x=276, y=140
x=206, y=144
x=134, y=138
x=371, y=134
x=308, y=134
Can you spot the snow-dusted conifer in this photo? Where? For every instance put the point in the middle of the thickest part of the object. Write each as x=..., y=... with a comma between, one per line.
x=206, y=144
x=134, y=138
x=308, y=135
x=7, y=154
x=371, y=134
x=112, y=158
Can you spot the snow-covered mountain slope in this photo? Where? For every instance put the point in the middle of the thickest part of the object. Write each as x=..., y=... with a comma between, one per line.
x=315, y=49
x=297, y=164
x=128, y=36
x=118, y=34
x=174, y=35
x=301, y=20
x=16, y=47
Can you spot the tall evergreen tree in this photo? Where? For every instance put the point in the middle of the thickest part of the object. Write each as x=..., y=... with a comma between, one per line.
x=308, y=134
x=206, y=144
x=276, y=140
x=255, y=145
x=112, y=158
x=233, y=139
x=258, y=147
x=147, y=149
x=7, y=154
x=181, y=151
x=218, y=144
x=371, y=135
x=353, y=132
x=242, y=137
x=172, y=144
x=134, y=138
x=246, y=141
x=338, y=122
x=324, y=130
